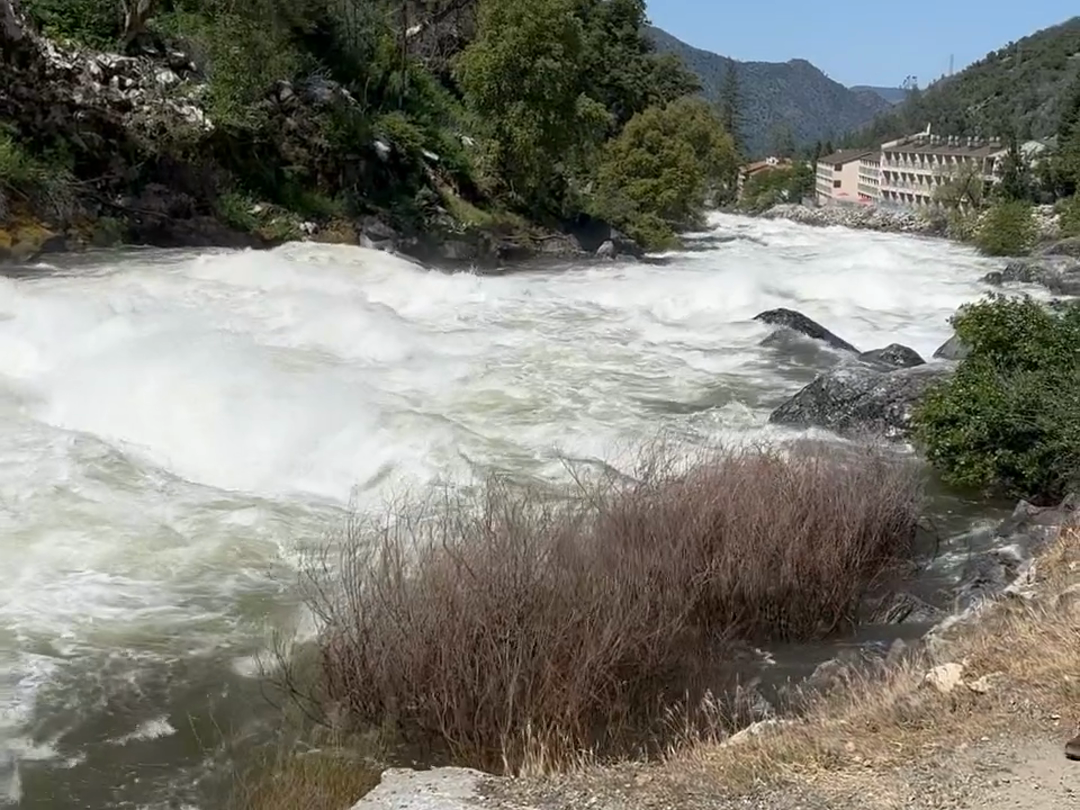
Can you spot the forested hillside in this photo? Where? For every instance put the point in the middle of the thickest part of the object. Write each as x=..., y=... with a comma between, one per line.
x=444, y=115
x=782, y=104
x=1019, y=88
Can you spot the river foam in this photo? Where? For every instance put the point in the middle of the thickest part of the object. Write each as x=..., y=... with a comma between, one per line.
x=173, y=424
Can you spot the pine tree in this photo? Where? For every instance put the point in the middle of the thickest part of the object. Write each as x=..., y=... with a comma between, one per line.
x=730, y=109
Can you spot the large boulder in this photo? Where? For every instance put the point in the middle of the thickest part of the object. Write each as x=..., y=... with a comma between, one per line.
x=858, y=398
x=797, y=322
x=1059, y=273
x=1063, y=247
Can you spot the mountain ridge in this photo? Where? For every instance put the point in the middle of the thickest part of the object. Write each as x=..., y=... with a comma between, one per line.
x=794, y=95
x=1021, y=86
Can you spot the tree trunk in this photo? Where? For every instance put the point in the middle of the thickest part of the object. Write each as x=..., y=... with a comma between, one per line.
x=12, y=26
x=137, y=14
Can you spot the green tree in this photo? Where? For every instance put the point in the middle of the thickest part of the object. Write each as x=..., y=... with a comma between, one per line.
x=654, y=177
x=1007, y=229
x=1009, y=419
x=731, y=106
x=782, y=141
x=620, y=68
x=521, y=79
x=1015, y=174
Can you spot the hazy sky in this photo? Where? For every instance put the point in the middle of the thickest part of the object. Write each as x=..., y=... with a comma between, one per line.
x=863, y=42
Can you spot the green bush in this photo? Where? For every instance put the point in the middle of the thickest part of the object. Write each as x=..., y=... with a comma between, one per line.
x=43, y=181
x=96, y=23
x=1068, y=211
x=654, y=178
x=1009, y=419
x=1006, y=229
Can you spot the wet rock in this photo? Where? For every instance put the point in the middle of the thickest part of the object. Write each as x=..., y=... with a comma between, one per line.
x=1015, y=544
x=435, y=789
x=1059, y=273
x=856, y=398
x=995, y=278
x=797, y=322
x=1063, y=247
x=895, y=354
x=952, y=349
x=376, y=234
x=903, y=608
x=606, y=250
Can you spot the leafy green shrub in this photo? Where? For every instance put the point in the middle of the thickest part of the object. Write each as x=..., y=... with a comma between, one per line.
x=96, y=23
x=1068, y=211
x=245, y=56
x=962, y=224
x=42, y=181
x=1006, y=229
x=654, y=177
x=1009, y=419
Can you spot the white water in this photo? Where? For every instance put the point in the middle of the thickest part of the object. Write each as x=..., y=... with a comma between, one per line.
x=173, y=424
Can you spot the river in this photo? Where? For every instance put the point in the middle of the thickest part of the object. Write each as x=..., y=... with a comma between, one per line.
x=175, y=427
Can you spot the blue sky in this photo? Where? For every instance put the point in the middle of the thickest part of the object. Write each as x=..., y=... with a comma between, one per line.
x=853, y=42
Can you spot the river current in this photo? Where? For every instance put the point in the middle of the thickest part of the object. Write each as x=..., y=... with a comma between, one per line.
x=176, y=427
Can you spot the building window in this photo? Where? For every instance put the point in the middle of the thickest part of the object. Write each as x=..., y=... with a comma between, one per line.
x=836, y=184
x=838, y=167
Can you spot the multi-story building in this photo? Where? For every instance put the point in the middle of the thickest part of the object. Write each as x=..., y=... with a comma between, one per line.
x=913, y=168
x=838, y=176
x=870, y=177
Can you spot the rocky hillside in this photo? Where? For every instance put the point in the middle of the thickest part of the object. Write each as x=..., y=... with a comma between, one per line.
x=207, y=122
x=1022, y=84
x=893, y=95
x=776, y=95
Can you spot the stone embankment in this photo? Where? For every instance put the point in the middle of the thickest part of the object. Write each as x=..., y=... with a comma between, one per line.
x=893, y=220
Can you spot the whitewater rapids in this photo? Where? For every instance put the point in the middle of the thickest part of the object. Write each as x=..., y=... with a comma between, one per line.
x=173, y=425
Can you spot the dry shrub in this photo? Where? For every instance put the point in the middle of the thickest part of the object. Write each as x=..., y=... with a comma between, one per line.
x=523, y=626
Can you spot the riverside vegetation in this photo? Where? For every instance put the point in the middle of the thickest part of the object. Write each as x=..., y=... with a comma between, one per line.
x=469, y=119
x=535, y=631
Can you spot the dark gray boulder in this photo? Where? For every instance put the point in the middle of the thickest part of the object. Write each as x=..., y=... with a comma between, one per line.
x=797, y=322
x=857, y=398
x=1059, y=273
x=1013, y=546
x=952, y=349
x=895, y=355
x=1063, y=247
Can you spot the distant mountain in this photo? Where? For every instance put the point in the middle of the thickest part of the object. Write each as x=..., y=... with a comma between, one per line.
x=1021, y=86
x=779, y=95
x=893, y=95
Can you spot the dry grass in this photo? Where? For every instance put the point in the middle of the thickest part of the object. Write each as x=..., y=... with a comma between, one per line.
x=315, y=780
x=518, y=629
x=1028, y=651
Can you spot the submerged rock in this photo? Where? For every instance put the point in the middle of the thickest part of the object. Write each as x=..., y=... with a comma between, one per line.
x=797, y=322
x=895, y=355
x=857, y=398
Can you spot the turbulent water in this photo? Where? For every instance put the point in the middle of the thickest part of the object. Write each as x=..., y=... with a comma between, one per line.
x=173, y=426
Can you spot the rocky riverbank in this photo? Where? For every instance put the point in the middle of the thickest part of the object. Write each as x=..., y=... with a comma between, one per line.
x=140, y=159
x=894, y=220
x=982, y=687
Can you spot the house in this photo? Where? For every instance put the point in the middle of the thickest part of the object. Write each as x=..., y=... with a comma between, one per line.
x=839, y=176
x=759, y=166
